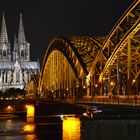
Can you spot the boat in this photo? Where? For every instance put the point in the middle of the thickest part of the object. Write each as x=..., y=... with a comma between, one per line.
x=91, y=111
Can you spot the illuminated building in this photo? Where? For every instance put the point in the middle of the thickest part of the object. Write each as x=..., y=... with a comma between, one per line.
x=16, y=67
x=95, y=66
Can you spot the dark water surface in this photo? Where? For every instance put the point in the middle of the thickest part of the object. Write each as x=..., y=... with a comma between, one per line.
x=70, y=129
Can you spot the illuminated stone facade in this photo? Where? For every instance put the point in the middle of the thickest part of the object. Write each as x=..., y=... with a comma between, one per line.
x=15, y=65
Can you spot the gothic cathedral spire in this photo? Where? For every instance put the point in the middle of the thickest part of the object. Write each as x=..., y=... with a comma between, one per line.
x=23, y=47
x=21, y=34
x=3, y=35
x=5, y=51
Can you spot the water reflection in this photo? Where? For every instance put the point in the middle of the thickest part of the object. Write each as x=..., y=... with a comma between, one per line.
x=31, y=137
x=110, y=130
x=30, y=128
x=71, y=129
x=9, y=124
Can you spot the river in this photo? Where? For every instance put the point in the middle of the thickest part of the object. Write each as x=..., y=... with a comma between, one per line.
x=71, y=128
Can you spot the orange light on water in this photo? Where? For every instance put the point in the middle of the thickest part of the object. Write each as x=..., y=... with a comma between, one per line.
x=71, y=128
x=29, y=128
x=31, y=137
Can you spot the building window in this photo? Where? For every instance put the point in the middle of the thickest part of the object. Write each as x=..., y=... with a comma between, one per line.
x=17, y=76
x=22, y=53
x=4, y=52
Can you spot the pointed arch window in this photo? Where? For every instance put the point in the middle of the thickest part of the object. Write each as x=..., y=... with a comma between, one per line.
x=26, y=52
x=22, y=53
x=4, y=52
x=18, y=76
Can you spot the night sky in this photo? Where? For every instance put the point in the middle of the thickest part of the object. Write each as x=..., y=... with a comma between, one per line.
x=44, y=20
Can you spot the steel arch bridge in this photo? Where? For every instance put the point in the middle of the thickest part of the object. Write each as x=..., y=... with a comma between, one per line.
x=32, y=87
x=66, y=66
x=120, y=56
x=88, y=66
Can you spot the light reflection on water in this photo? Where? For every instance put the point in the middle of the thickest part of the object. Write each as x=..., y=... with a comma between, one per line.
x=9, y=124
x=31, y=137
x=29, y=128
x=70, y=129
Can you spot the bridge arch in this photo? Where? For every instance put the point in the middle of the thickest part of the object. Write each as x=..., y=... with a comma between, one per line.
x=110, y=65
x=75, y=56
x=119, y=57
x=32, y=87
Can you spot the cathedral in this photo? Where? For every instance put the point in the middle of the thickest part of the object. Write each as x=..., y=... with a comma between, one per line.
x=16, y=67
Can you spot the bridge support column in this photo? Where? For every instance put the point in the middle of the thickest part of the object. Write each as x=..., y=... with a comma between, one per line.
x=119, y=76
x=88, y=83
x=30, y=113
x=129, y=82
x=109, y=83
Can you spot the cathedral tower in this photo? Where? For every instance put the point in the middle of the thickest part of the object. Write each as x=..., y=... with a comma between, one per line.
x=15, y=72
x=21, y=46
x=5, y=50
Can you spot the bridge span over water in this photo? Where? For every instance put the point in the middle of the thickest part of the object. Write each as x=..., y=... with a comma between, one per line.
x=96, y=66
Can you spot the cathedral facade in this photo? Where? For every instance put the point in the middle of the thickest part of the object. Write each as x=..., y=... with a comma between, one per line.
x=16, y=67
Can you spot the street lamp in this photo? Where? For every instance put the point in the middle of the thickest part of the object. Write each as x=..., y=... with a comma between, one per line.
x=111, y=83
x=96, y=85
x=134, y=81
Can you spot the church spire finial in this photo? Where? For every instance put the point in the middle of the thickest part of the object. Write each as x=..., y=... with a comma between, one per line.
x=3, y=14
x=21, y=34
x=3, y=35
x=21, y=15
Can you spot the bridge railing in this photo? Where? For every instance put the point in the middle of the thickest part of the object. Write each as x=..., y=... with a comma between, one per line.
x=129, y=100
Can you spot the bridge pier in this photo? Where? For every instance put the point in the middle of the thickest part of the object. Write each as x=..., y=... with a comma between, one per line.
x=30, y=113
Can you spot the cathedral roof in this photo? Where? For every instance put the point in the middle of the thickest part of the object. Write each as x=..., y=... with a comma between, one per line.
x=29, y=65
x=24, y=65
x=6, y=65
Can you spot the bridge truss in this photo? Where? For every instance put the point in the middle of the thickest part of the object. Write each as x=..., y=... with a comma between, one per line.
x=119, y=58
x=110, y=65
